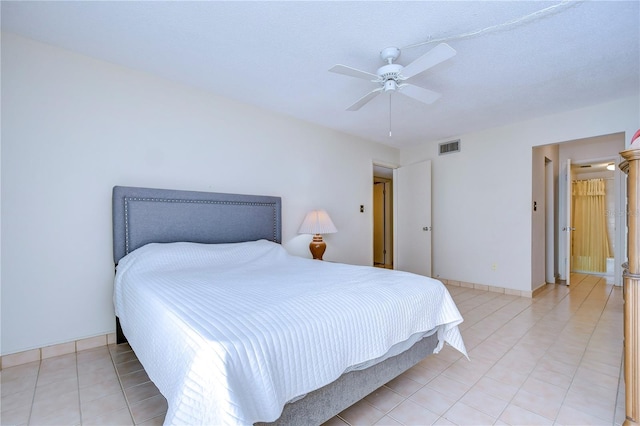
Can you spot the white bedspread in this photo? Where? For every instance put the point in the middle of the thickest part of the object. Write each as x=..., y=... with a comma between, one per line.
x=229, y=333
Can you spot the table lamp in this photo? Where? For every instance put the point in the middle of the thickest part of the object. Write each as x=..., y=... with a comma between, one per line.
x=317, y=222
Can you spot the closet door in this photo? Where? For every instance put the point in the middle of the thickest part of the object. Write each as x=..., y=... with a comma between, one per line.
x=412, y=192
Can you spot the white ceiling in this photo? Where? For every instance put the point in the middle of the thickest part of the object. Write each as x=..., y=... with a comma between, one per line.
x=276, y=55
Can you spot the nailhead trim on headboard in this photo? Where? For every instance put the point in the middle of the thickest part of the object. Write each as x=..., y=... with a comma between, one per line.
x=165, y=200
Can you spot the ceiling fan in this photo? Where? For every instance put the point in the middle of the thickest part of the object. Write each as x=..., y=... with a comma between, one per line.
x=394, y=77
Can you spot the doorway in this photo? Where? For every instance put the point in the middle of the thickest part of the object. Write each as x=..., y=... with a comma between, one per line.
x=382, y=217
x=593, y=227
x=588, y=157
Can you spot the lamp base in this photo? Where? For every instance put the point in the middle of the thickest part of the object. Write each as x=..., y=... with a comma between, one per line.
x=317, y=247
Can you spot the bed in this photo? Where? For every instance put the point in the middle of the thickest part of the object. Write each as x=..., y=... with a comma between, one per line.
x=234, y=330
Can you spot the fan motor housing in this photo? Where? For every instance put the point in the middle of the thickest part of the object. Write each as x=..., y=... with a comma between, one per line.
x=389, y=72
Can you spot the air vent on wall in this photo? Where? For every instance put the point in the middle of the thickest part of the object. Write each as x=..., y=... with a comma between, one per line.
x=449, y=147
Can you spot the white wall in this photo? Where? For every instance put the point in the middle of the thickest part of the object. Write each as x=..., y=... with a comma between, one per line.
x=482, y=196
x=73, y=127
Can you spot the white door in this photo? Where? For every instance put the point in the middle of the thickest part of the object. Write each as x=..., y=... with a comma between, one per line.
x=412, y=218
x=550, y=221
x=567, y=228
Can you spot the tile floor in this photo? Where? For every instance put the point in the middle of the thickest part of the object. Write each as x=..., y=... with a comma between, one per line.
x=554, y=359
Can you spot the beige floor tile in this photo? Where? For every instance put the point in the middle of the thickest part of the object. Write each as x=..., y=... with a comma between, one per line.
x=387, y=421
x=420, y=375
x=159, y=421
x=24, y=384
x=443, y=422
x=129, y=367
x=435, y=364
x=410, y=413
x=52, y=390
x=148, y=408
x=586, y=377
x=496, y=388
x=362, y=413
x=484, y=402
x=384, y=399
x=102, y=365
x=122, y=357
x=62, y=362
x=538, y=404
x=92, y=378
x=56, y=410
x=19, y=372
x=462, y=414
x=557, y=379
x=433, y=400
x=50, y=374
x=592, y=403
x=141, y=392
x=404, y=386
x=557, y=366
x=45, y=403
x=491, y=351
x=103, y=405
x=94, y=354
x=106, y=387
x=134, y=379
x=16, y=416
x=507, y=375
x=468, y=372
x=448, y=386
x=335, y=421
x=571, y=417
x=120, y=417
x=515, y=415
x=17, y=400
x=544, y=390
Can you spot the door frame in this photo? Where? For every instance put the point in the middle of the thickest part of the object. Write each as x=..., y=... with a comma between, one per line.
x=391, y=168
x=387, y=213
x=620, y=239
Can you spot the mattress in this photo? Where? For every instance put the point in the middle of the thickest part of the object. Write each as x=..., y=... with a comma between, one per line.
x=230, y=333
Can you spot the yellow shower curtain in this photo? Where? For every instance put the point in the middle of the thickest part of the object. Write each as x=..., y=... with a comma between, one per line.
x=590, y=244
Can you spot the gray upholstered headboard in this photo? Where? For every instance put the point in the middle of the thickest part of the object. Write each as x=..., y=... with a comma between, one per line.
x=147, y=215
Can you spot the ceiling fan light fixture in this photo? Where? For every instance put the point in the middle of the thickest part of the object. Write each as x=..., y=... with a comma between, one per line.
x=390, y=86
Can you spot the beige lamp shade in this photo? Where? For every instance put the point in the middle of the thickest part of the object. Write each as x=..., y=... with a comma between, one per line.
x=317, y=222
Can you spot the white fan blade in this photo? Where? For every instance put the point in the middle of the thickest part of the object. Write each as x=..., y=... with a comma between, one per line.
x=419, y=93
x=363, y=100
x=352, y=72
x=438, y=54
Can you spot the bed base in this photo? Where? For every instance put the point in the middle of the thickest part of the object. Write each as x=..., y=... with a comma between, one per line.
x=321, y=405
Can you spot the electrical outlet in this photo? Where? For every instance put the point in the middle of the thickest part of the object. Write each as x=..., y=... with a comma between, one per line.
x=361, y=208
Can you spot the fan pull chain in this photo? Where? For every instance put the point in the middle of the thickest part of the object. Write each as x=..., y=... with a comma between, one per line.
x=389, y=114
